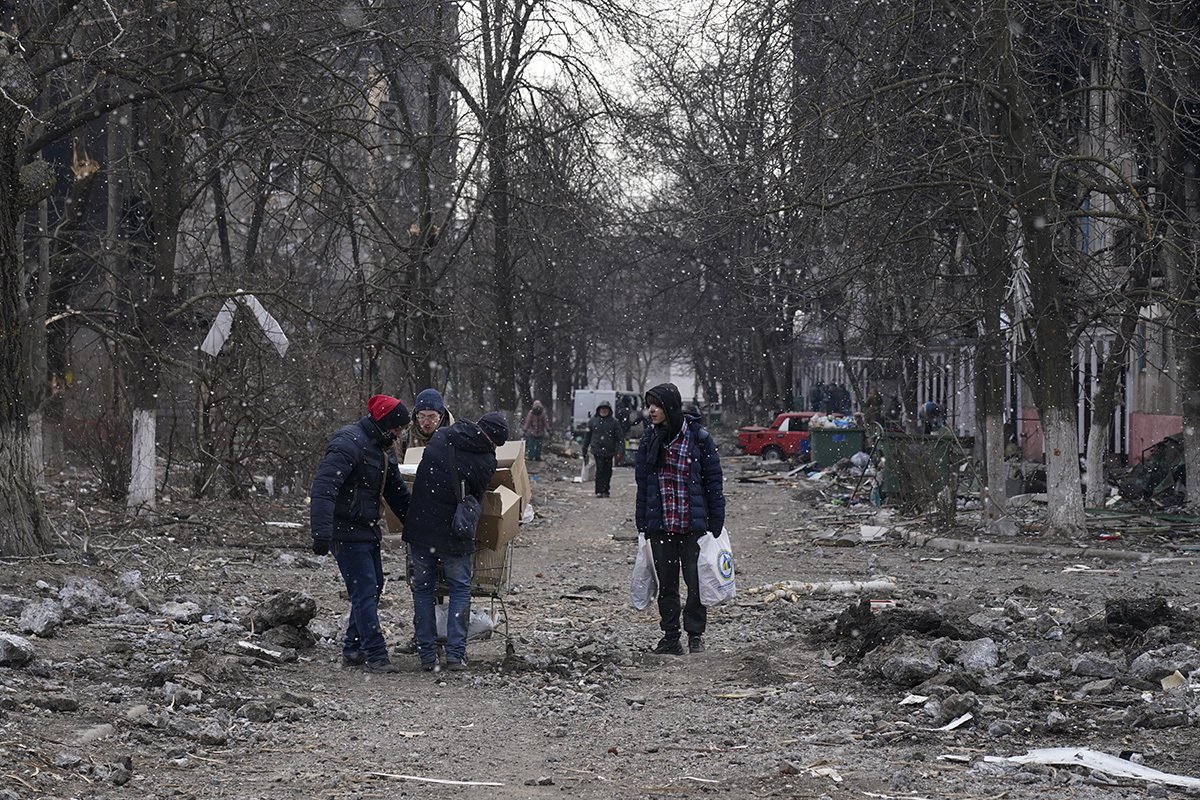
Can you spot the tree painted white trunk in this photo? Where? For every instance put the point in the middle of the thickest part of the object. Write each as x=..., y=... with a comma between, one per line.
x=995, y=502
x=36, y=454
x=1097, y=447
x=141, y=473
x=1062, y=473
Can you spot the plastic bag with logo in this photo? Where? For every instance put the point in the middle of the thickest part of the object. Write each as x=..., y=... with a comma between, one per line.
x=718, y=584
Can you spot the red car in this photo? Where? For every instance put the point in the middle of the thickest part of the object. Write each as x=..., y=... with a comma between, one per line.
x=786, y=438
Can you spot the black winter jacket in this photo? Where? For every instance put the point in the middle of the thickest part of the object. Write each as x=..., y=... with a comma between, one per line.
x=434, y=498
x=604, y=435
x=706, y=490
x=345, y=492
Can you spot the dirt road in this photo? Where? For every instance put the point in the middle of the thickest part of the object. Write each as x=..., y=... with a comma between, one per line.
x=136, y=693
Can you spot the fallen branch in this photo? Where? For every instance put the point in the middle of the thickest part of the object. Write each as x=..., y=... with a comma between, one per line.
x=420, y=779
x=791, y=590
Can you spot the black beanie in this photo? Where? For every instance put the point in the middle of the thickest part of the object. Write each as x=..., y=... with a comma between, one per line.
x=495, y=426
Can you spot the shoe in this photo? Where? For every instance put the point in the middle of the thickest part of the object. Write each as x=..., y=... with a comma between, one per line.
x=696, y=644
x=456, y=666
x=354, y=658
x=668, y=646
x=381, y=667
x=429, y=666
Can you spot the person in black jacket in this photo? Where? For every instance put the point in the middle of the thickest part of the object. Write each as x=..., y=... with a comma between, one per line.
x=680, y=497
x=463, y=454
x=603, y=439
x=344, y=517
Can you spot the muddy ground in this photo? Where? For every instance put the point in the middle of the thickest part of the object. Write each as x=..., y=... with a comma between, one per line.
x=149, y=685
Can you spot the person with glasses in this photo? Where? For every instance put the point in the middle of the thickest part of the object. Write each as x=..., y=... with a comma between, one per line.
x=429, y=414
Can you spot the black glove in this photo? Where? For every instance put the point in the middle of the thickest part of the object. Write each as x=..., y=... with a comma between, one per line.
x=715, y=534
x=585, y=456
x=320, y=547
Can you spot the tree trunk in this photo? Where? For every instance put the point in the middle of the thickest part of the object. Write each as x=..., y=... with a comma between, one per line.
x=1104, y=400
x=1062, y=472
x=24, y=529
x=1047, y=359
x=1169, y=62
x=142, y=469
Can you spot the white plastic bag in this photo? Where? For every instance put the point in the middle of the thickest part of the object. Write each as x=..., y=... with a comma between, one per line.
x=479, y=624
x=718, y=584
x=587, y=472
x=644, y=587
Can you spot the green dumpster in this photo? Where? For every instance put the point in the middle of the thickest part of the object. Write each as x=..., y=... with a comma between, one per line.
x=915, y=467
x=827, y=446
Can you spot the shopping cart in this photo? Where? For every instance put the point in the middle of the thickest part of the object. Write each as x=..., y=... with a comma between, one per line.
x=490, y=577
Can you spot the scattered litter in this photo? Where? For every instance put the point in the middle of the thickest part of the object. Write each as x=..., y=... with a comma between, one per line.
x=914, y=700
x=1093, y=570
x=957, y=758
x=872, y=533
x=1101, y=762
x=1173, y=681
x=954, y=723
x=285, y=524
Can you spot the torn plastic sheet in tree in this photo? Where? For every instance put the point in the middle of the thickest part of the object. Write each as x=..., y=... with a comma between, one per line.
x=222, y=325
x=1101, y=762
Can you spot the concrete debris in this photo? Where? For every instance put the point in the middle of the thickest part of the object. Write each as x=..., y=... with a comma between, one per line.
x=285, y=608
x=41, y=618
x=15, y=651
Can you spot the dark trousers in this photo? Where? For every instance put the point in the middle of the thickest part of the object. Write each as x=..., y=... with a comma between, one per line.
x=673, y=553
x=603, y=473
x=361, y=566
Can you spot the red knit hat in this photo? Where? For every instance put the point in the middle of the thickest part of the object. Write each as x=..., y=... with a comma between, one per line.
x=387, y=411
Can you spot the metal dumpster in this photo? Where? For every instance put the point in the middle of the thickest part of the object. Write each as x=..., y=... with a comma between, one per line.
x=827, y=446
x=915, y=467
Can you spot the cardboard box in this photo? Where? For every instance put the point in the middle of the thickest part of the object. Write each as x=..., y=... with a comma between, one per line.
x=511, y=471
x=500, y=520
x=511, y=474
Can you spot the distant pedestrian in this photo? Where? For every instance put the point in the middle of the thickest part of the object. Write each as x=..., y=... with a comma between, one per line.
x=894, y=409
x=602, y=441
x=344, y=517
x=873, y=407
x=843, y=402
x=816, y=397
x=463, y=454
x=931, y=417
x=680, y=497
x=537, y=425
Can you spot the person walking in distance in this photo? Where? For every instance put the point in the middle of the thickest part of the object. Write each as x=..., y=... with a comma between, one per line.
x=354, y=473
x=602, y=441
x=680, y=497
x=537, y=425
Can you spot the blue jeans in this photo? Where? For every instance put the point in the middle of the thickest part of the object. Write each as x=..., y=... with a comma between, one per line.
x=533, y=448
x=456, y=571
x=362, y=570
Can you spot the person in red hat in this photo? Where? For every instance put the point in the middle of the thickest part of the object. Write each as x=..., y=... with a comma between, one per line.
x=354, y=473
